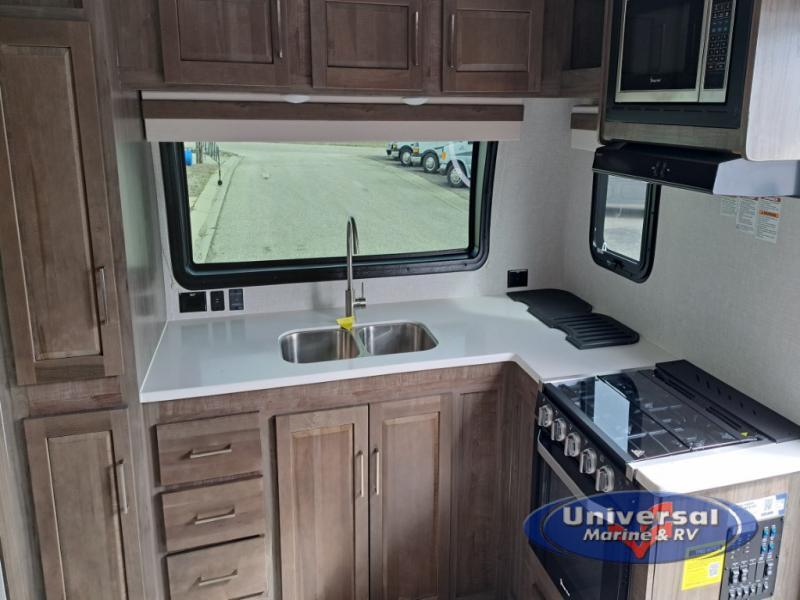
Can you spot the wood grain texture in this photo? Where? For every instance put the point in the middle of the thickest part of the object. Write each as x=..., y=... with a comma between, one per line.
x=85, y=503
x=667, y=577
x=213, y=514
x=58, y=260
x=323, y=487
x=493, y=45
x=477, y=487
x=222, y=42
x=369, y=44
x=204, y=449
x=208, y=109
x=136, y=29
x=226, y=572
x=410, y=457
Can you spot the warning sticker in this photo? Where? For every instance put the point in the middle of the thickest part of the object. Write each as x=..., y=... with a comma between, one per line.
x=746, y=215
x=769, y=218
x=703, y=566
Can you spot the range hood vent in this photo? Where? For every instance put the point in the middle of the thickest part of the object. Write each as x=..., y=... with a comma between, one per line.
x=711, y=172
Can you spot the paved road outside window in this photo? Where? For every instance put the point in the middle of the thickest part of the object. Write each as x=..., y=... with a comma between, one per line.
x=291, y=201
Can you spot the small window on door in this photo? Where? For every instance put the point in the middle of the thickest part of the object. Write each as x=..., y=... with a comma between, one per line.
x=624, y=225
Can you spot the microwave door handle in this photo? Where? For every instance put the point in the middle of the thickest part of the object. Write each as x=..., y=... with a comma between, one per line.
x=559, y=470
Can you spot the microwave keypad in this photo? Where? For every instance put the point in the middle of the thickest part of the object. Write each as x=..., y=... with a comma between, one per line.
x=718, y=44
x=752, y=569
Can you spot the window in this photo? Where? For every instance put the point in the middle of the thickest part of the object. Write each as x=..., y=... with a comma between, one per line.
x=624, y=225
x=266, y=213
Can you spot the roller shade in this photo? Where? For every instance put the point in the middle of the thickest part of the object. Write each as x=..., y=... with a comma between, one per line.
x=169, y=119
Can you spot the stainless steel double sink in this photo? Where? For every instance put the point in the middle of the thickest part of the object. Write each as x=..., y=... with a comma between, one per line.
x=335, y=343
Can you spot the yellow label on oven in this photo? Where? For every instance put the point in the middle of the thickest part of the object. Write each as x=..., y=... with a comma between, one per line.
x=703, y=566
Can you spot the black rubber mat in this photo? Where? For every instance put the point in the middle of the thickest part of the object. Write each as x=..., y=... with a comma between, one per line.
x=549, y=305
x=565, y=311
x=594, y=330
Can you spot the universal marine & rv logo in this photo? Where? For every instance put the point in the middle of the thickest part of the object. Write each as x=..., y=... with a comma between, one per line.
x=640, y=527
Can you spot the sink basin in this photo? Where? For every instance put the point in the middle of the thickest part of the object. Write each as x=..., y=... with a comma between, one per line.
x=395, y=338
x=322, y=345
x=318, y=345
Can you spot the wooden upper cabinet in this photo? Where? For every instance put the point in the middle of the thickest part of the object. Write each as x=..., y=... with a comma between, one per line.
x=493, y=45
x=324, y=504
x=237, y=42
x=83, y=495
x=370, y=44
x=410, y=499
x=55, y=238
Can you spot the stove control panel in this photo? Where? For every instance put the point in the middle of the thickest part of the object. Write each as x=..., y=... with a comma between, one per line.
x=751, y=570
x=582, y=457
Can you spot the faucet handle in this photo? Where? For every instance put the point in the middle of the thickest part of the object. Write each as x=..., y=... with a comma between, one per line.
x=361, y=301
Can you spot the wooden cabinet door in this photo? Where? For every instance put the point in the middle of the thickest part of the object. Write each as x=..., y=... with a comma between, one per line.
x=410, y=499
x=369, y=44
x=55, y=241
x=323, y=504
x=83, y=496
x=477, y=496
x=224, y=41
x=493, y=45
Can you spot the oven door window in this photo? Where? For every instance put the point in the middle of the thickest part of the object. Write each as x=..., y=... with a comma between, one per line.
x=661, y=45
x=577, y=578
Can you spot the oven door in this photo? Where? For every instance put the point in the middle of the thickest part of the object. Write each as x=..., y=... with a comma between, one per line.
x=661, y=50
x=577, y=578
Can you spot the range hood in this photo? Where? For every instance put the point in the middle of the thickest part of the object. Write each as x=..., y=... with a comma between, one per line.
x=707, y=171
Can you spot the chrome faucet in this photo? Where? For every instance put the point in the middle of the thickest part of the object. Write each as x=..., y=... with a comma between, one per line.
x=351, y=303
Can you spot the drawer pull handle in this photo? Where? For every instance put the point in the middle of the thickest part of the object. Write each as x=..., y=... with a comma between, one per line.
x=203, y=582
x=260, y=595
x=195, y=454
x=198, y=520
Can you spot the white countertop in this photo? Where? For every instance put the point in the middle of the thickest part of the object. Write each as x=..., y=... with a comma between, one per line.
x=723, y=467
x=206, y=357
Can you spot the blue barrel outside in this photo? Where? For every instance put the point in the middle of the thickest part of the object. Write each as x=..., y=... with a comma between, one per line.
x=187, y=157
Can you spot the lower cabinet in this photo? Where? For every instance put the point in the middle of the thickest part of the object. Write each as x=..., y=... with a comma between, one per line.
x=83, y=493
x=371, y=507
x=324, y=509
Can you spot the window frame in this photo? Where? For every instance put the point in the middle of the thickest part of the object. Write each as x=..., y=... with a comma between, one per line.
x=194, y=276
x=637, y=271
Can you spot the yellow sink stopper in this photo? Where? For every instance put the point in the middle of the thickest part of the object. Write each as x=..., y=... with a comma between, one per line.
x=346, y=323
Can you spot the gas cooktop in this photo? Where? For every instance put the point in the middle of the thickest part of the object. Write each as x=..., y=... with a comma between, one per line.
x=672, y=409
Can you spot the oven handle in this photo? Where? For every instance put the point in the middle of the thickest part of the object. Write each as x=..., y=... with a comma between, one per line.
x=559, y=470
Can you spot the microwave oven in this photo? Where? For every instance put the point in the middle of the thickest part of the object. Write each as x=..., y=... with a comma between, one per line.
x=679, y=62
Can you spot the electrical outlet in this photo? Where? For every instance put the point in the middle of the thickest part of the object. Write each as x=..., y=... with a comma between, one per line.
x=192, y=302
x=518, y=278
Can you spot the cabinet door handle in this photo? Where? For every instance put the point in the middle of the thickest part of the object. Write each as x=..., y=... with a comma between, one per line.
x=361, y=475
x=453, y=41
x=102, y=294
x=416, y=38
x=122, y=490
x=230, y=514
x=205, y=582
x=279, y=19
x=195, y=454
x=377, y=455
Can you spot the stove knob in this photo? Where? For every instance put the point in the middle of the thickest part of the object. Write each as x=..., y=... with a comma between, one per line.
x=558, y=430
x=588, y=463
x=572, y=445
x=604, y=480
x=545, y=416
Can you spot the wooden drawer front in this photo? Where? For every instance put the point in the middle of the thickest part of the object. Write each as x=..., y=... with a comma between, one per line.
x=209, y=448
x=214, y=514
x=237, y=570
